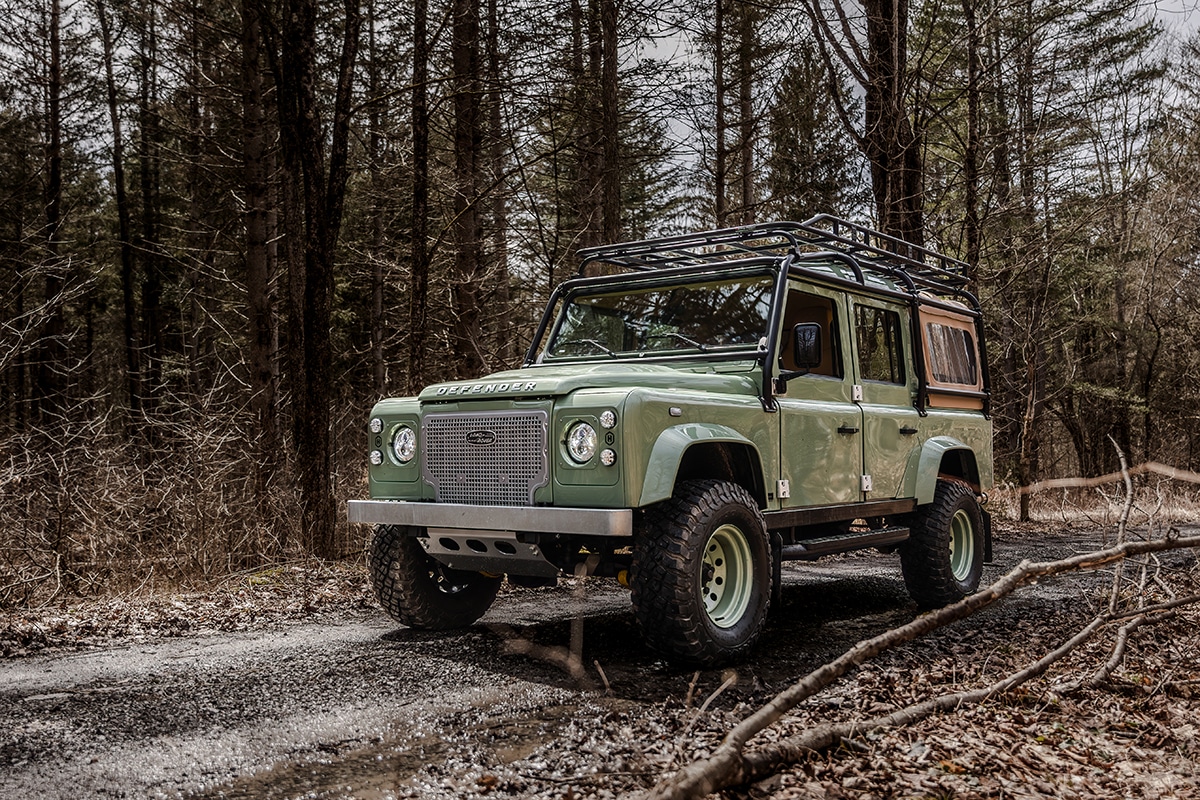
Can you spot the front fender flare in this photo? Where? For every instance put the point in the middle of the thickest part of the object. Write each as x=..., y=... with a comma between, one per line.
x=668, y=450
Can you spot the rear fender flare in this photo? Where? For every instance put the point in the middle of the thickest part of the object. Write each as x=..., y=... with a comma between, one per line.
x=930, y=459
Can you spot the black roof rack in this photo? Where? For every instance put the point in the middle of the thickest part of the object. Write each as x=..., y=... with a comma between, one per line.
x=874, y=251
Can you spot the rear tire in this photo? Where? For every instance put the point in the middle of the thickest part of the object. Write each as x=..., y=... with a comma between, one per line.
x=943, y=557
x=701, y=575
x=421, y=592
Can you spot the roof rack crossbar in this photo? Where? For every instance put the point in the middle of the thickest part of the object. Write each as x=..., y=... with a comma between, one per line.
x=875, y=251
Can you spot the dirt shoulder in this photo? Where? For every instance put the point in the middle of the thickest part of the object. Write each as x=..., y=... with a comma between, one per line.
x=298, y=686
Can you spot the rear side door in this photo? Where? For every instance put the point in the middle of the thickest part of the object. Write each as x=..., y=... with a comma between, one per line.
x=888, y=386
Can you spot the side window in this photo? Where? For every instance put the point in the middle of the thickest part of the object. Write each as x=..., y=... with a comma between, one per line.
x=804, y=307
x=951, y=354
x=880, y=355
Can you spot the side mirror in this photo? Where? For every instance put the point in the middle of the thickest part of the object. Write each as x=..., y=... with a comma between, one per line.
x=806, y=352
x=806, y=345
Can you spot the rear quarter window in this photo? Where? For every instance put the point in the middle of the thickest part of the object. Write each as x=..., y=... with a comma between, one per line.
x=952, y=356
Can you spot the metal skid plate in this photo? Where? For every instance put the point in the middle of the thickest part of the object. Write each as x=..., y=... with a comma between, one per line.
x=497, y=552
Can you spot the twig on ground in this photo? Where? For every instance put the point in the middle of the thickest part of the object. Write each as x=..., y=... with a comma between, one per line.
x=603, y=677
x=687, y=701
x=729, y=681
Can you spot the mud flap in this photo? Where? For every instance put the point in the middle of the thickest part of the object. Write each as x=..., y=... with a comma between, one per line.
x=987, y=535
x=776, y=570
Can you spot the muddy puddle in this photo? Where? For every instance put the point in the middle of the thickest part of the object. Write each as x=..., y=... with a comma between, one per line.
x=468, y=744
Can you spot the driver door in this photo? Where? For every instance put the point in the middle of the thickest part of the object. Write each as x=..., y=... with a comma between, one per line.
x=820, y=440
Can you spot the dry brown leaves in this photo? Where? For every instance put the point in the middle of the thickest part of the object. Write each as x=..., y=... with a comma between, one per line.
x=240, y=602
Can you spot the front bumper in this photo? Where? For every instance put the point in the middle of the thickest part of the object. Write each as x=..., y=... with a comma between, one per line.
x=489, y=538
x=514, y=519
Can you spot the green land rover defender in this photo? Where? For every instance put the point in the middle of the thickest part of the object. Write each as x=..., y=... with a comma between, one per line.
x=693, y=411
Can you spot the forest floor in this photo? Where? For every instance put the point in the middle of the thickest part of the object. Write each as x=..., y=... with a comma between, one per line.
x=291, y=683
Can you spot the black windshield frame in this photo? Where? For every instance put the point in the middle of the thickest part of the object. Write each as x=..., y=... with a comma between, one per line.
x=565, y=297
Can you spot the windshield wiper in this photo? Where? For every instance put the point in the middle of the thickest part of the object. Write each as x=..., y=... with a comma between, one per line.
x=681, y=338
x=592, y=342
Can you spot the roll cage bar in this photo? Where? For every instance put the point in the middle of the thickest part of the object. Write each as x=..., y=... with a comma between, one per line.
x=927, y=277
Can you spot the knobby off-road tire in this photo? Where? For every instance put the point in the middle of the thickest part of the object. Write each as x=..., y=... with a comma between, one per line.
x=701, y=575
x=943, y=557
x=421, y=592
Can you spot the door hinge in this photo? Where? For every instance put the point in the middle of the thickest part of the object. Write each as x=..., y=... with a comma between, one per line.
x=856, y=394
x=867, y=484
x=783, y=489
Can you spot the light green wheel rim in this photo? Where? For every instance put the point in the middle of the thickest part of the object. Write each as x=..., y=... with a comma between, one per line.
x=728, y=576
x=962, y=545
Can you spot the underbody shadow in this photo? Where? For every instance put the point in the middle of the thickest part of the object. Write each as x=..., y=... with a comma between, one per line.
x=598, y=646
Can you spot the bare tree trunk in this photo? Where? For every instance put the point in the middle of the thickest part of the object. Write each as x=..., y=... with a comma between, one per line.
x=588, y=130
x=610, y=112
x=971, y=155
x=888, y=140
x=148, y=135
x=260, y=311
x=374, y=165
x=419, y=291
x=746, y=45
x=468, y=140
x=720, y=153
x=504, y=348
x=124, y=227
x=892, y=147
x=49, y=386
x=325, y=175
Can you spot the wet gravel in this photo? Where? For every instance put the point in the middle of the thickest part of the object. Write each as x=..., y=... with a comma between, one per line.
x=353, y=705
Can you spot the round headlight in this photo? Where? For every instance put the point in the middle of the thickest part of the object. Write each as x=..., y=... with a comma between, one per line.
x=376, y=425
x=404, y=444
x=608, y=419
x=581, y=442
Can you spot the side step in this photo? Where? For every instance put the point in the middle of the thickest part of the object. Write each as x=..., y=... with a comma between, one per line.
x=811, y=549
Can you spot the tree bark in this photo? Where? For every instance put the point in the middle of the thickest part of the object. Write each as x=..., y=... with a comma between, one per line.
x=504, y=341
x=49, y=392
x=465, y=228
x=610, y=111
x=124, y=225
x=746, y=45
x=324, y=177
x=374, y=167
x=720, y=153
x=260, y=310
x=418, y=298
x=888, y=139
x=971, y=222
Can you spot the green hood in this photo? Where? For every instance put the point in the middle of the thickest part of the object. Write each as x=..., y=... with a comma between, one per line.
x=561, y=380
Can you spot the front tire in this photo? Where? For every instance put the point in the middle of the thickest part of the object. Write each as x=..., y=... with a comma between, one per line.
x=701, y=575
x=421, y=592
x=943, y=557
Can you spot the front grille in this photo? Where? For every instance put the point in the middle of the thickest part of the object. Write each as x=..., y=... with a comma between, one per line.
x=486, y=458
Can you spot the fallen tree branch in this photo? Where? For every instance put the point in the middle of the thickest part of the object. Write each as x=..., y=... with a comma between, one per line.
x=768, y=760
x=1152, y=467
x=727, y=766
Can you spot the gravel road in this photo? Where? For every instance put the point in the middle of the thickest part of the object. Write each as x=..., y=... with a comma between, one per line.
x=349, y=704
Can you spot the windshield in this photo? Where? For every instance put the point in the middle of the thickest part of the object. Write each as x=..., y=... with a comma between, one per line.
x=710, y=316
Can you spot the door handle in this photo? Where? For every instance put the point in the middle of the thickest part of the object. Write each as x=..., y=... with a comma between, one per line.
x=847, y=429
x=908, y=431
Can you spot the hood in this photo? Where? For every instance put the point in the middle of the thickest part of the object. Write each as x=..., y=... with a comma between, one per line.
x=564, y=379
